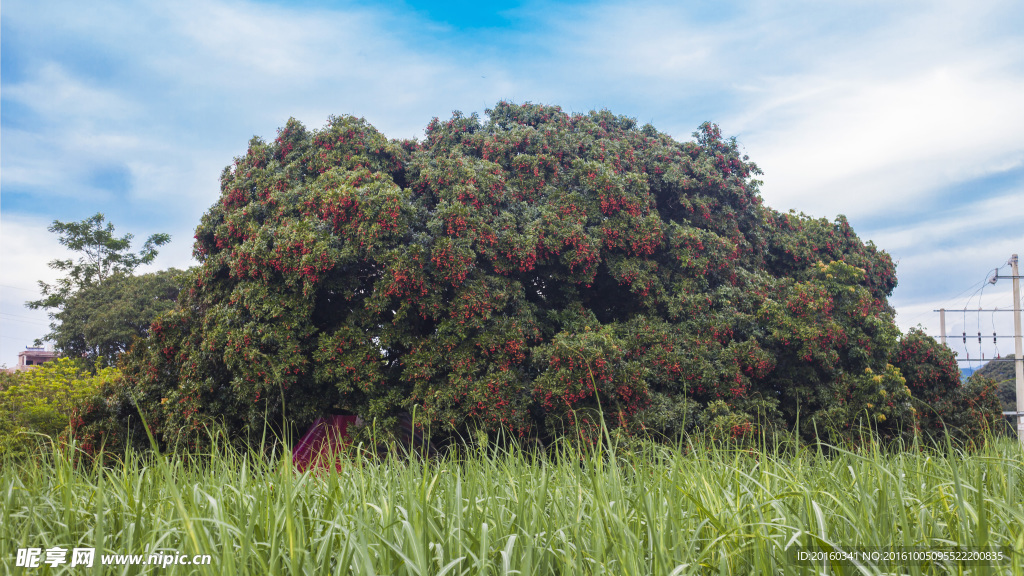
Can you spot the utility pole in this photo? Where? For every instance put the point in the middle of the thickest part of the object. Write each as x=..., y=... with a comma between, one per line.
x=1018, y=348
x=942, y=325
x=1018, y=340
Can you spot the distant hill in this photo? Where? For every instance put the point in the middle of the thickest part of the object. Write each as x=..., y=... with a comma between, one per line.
x=1003, y=374
x=998, y=371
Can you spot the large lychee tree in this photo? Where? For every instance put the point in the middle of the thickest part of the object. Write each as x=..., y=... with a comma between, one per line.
x=536, y=273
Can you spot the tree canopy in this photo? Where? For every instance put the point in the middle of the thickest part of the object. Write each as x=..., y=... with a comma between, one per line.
x=535, y=273
x=102, y=255
x=102, y=320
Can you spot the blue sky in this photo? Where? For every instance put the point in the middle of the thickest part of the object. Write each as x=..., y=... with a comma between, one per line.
x=905, y=116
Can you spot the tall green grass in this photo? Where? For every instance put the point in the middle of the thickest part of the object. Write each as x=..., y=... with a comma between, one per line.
x=694, y=510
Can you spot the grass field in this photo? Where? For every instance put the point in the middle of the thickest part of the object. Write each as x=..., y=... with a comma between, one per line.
x=700, y=510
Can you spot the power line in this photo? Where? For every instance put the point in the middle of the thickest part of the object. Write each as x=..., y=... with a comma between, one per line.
x=974, y=335
x=976, y=290
x=18, y=288
x=978, y=310
x=16, y=319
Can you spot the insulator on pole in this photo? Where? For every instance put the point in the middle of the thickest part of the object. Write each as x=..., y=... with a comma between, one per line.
x=965, y=337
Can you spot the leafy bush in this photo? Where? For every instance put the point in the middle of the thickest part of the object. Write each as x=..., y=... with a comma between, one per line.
x=966, y=411
x=44, y=400
x=1004, y=375
x=536, y=273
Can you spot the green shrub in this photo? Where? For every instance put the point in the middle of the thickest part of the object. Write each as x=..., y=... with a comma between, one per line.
x=944, y=404
x=45, y=400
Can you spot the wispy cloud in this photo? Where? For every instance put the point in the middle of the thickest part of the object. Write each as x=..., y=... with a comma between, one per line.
x=861, y=147
x=1003, y=213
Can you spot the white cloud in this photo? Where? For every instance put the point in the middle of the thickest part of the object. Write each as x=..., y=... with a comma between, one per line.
x=874, y=122
x=265, y=41
x=652, y=43
x=860, y=147
x=1006, y=211
x=58, y=96
x=28, y=247
x=81, y=126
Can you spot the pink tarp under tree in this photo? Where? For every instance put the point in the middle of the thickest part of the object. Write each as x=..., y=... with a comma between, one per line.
x=321, y=442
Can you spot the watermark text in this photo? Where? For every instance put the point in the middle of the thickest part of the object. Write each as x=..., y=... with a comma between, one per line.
x=86, y=557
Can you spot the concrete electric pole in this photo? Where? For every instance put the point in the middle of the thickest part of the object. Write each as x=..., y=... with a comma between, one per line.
x=1018, y=347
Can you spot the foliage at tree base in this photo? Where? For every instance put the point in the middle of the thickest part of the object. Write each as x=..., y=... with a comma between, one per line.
x=44, y=401
x=538, y=274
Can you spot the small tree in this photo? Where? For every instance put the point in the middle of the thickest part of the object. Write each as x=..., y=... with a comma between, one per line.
x=103, y=257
